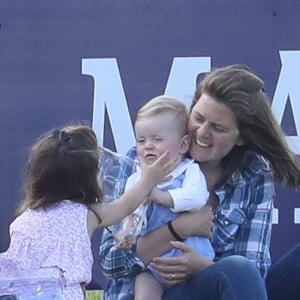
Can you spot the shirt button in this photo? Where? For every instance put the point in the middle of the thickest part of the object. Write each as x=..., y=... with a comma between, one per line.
x=226, y=222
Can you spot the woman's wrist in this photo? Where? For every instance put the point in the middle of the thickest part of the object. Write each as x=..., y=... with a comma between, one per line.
x=178, y=228
x=174, y=232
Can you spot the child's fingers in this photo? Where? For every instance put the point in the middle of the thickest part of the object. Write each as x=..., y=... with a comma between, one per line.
x=164, y=158
x=170, y=166
x=141, y=163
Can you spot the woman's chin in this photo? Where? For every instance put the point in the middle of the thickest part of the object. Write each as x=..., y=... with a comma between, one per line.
x=200, y=153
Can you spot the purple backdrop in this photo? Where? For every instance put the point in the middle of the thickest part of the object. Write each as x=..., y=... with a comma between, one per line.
x=43, y=46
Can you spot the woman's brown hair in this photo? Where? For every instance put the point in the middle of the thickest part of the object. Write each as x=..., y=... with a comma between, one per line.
x=243, y=92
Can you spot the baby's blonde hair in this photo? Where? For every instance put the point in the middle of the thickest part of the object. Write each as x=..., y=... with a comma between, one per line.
x=164, y=104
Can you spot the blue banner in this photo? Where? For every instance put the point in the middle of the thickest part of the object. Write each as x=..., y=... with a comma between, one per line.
x=97, y=62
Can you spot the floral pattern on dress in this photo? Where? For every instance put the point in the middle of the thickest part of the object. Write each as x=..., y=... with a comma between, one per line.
x=53, y=237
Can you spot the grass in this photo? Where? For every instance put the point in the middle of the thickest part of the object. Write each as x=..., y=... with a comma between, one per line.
x=94, y=295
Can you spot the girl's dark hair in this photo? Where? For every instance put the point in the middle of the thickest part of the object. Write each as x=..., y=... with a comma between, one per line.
x=243, y=92
x=63, y=164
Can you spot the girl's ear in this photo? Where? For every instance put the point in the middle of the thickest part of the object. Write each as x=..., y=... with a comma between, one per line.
x=185, y=144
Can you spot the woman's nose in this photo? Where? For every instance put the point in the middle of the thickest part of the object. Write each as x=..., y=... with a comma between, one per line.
x=203, y=130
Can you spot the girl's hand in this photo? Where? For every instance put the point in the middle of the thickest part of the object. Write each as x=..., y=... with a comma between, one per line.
x=158, y=171
x=174, y=270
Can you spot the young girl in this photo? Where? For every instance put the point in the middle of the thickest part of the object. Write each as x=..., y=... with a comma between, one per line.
x=62, y=206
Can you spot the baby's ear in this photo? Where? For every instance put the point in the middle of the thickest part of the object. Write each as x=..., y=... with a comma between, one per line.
x=185, y=144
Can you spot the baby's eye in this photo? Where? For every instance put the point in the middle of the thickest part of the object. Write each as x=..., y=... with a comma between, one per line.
x=158, y=139
x=140, y=141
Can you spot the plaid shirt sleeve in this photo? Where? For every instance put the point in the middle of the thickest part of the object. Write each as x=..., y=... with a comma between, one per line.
x=115, y=262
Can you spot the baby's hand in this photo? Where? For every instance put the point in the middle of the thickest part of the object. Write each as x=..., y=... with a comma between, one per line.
x=161, y=197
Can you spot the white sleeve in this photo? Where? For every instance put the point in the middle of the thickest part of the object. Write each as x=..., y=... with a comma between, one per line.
x=193, y=193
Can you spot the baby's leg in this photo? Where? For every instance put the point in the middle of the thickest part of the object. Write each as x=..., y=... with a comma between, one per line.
x=147, y=287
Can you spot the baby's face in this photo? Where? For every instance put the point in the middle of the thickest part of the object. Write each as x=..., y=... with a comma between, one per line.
x=155, y=135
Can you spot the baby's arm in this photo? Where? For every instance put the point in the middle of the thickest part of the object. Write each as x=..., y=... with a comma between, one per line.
x=193, y=193
x=161, y=197
x=191, y=196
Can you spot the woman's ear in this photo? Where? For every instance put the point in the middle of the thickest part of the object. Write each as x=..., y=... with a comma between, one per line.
x=185, y=144
x=240, y=141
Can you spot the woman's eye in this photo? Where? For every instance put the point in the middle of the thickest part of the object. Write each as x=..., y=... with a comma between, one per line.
x=140, y=141
x=199, y=119
x=219, y=128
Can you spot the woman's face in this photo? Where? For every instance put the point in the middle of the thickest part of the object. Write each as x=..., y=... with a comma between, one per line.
x=213, y=129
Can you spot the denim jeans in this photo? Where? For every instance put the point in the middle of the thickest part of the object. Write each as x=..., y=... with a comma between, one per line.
x=231, y=278
x=283, y=279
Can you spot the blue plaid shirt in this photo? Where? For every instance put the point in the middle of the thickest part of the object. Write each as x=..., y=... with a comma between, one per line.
x=242, y=227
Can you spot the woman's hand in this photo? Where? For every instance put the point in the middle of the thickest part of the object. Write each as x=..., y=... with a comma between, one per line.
x=174, y=270
x=200, y=223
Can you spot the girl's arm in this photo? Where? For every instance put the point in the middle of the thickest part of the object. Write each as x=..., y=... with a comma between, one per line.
x=112, y=212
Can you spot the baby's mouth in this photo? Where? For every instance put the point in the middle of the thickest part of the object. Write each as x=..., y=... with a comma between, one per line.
x=150, y=157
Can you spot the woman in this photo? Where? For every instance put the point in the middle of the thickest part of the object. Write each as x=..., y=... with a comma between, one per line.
x=242, y=151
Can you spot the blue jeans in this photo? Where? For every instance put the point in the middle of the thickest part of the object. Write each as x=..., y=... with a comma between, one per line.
x=283, y=279
x=231, y=278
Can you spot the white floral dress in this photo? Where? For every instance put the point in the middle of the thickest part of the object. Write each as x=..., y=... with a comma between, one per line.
x=53, y=237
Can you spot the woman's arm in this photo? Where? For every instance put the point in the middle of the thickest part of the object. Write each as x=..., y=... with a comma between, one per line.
x=177, y=269
x=251, y=240
x=157, y=242
x=192, y=195
x=116, y=262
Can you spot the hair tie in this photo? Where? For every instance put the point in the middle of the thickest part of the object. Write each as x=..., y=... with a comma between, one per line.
x=64, y=136
x=61, y=135
x=55, y=133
